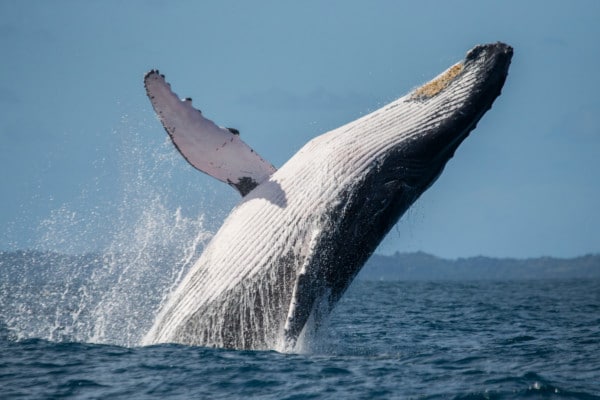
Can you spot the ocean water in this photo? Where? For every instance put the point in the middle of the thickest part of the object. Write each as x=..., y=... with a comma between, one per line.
x=387, y=340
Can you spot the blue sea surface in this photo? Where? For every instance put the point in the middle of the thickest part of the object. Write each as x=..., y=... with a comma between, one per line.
x=386, y=340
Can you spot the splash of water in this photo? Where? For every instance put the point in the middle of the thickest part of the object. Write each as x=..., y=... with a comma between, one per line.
x=136, y=251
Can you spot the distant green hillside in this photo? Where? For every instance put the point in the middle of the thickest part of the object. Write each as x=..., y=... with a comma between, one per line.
x=422, y=266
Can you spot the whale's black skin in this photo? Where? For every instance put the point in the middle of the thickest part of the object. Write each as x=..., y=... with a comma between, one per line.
x=376, y=167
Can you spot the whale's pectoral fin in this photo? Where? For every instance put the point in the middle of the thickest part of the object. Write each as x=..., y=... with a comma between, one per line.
x=214, y=150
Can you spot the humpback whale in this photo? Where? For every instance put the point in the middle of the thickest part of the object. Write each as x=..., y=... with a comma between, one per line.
x=300, y=234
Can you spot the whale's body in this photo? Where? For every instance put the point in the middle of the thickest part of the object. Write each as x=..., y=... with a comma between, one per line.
x=290, y=249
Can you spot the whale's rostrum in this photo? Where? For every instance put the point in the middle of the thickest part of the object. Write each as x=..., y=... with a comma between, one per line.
x=291, y=247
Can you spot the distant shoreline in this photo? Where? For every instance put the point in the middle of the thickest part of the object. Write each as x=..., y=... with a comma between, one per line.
x=417, y=266
x=423, y=266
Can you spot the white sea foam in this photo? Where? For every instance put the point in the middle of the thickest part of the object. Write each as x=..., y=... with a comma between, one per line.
x=139, y=246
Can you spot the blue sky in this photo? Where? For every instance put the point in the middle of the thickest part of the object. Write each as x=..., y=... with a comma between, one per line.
x=78, y=134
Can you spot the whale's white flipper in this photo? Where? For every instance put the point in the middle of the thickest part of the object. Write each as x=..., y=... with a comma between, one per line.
x=217, y=151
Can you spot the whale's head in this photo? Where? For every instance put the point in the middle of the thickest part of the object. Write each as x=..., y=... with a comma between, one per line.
x=413, y=138
x=452, y=104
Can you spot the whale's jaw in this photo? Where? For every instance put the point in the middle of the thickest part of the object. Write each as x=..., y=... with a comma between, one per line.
x=290, y=249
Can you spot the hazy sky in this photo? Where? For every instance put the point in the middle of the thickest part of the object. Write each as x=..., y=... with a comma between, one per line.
x=81, y=149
